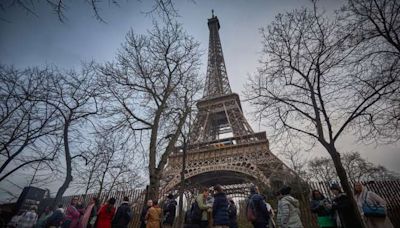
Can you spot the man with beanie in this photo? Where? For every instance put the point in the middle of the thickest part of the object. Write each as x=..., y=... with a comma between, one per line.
x=123, y=215
x=288, y=210
x=257, y=207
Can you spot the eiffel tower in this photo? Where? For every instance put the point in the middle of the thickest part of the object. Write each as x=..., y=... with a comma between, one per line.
x=223, y=148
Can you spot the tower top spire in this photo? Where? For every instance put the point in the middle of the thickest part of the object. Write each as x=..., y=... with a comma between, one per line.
x=217, y=83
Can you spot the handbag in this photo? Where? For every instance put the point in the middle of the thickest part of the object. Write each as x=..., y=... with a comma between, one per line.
x=372, y=210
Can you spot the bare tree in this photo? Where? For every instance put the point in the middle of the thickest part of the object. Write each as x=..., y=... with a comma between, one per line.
x=303, y=87
x=375, y=29
x=152, y=87
x=357, y=168
x=164, y=8
x=26, y=125
x=322, y=170
x=73, y=96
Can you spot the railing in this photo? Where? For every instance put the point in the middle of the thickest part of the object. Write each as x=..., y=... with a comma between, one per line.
x=389, y=190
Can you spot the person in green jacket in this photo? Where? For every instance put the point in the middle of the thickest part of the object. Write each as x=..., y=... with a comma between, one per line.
x=201, y=201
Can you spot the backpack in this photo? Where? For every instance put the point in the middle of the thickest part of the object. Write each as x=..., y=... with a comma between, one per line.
x=250, y=212
x=195, y=213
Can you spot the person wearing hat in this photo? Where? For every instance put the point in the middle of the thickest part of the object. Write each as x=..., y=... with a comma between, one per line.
x=257, y=212
x=28, y=218
x=341, y=204
x=169, y=211
x=123, y=215
x=288, y=210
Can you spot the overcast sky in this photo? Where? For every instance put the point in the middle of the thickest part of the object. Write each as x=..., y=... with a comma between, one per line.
x=27, y=40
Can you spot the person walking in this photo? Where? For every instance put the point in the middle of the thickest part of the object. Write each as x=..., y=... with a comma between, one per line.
x=341, y=204
x=204, y=208
x=322, y=207
x=288, y=210
x=148, y=205
x=232, y=212
x=169, y=211
x=72, y=214
x=256, y=209
x=28, y=218
x=106, y=214
x=123, y=215
x=153, y=216
x=90, y=215
x=220, y=208
x=370, y=199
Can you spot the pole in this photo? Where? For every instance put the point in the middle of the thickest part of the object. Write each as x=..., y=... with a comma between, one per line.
x=182, y=187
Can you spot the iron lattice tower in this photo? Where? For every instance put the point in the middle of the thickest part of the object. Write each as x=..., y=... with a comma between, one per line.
x=217, y=82
x=223, y=148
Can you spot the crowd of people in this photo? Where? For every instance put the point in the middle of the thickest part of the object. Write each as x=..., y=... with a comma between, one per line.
x=216, y=209
x=338, y=212
x=77, y=216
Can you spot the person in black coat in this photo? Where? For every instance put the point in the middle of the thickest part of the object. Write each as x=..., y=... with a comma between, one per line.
x=220, y=207
x=144, y=212
x=342, y=205
x=56, y=218
x=232, y=211
x=169, y=211
x=123, y=215
x=258, y=206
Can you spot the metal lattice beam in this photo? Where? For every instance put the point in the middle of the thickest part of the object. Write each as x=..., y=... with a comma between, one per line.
x=217, y=82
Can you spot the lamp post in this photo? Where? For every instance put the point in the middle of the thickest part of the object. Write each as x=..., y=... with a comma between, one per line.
x=182, y=186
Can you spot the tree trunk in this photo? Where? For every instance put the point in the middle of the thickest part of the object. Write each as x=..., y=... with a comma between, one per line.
x=154, y=186
x=341, y=172
x=68, y=161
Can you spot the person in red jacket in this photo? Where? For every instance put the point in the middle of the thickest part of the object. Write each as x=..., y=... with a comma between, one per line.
x=106, y=214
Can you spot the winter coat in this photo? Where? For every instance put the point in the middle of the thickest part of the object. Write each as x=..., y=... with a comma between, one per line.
x=105, y=216
x=27, y=220
x=90, y=213
x=203, y=206
x=342, y=205
x=72, y=215
x=220, y=209
x=143, y=217
x=153, y=217
x=41, y=222
x=288, y=213
x=232, y=212
x=123, y=216
x=169, y=212
x=256, y=201
x=323, y=209
x=371, y=198
x=56, y=218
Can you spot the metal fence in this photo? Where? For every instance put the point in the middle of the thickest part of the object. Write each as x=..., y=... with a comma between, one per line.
x=389, y=190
